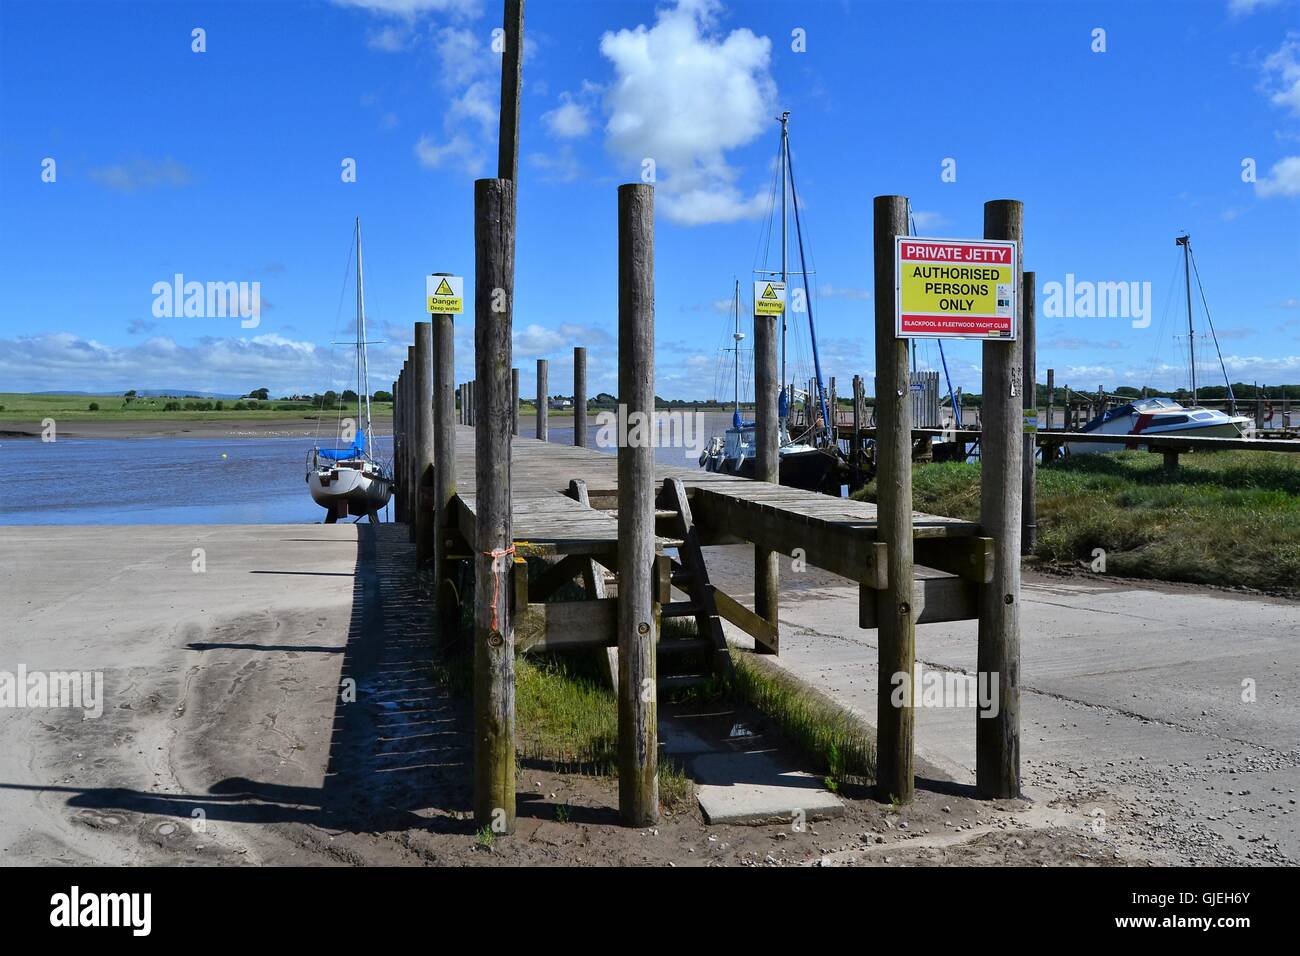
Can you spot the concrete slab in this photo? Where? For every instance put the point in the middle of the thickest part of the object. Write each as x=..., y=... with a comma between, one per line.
x=755, y=788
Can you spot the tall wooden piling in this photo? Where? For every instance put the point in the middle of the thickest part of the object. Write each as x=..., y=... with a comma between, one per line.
x=580, y=396
x=444, y=459
x=896, y=621
x=638, y=614
x=997, y=738
x=1051, y=397
x=408, y=471
x=1029, y=375
x=855, y=450
x=399, y=513
x=767, y=439
x=512, y=69
x=494, y=645
x=514, y=406
x=424, y=442
x=542, y=403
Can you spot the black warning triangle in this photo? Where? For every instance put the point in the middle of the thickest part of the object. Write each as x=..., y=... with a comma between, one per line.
x=443, y=289
x=769, y=292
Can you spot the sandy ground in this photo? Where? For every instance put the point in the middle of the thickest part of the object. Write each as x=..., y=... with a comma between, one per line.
x=225, y=737
x=1135, y=708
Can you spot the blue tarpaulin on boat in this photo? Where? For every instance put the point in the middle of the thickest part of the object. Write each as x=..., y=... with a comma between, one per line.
x=339, y=454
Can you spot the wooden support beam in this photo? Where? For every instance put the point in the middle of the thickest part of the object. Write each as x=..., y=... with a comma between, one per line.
x=543, y=404
x=424, y=443
x=557, y=576
x=580, y=396
x=730, y=609
x=969, y=558
x=593, y=579
x=844, y=549
x=494, y=650
x=638, y=615
x=1029, y=469
x=564, y=625
x=997, y=739
x=934, y=600
x=895, y=780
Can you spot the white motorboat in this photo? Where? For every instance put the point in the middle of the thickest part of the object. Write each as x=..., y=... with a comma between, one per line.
x=350, y=481
x=1158, y=416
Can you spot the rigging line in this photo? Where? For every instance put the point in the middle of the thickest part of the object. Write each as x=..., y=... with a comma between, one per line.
x=1164, y=321
x=803, y=264
x=1213, y=335
x=764, y=240
x=343, y=288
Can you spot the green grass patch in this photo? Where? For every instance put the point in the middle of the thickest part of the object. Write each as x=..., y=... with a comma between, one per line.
x=30, y=408
x=1229, y=518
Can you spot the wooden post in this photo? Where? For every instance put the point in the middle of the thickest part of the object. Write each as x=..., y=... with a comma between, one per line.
x=542, y=403
x=1029, y=375
x=638, y=612
x=444, y=463
x=408, y=471
x=399, y=512
x=580, y=396
x=514, y=407
x=767, y=441
x=997, y=738
x=1051, y=397
x=512, y=68
x=896, y=622
x=856, y=450
x=494, y=643
x=471, y=388
x=423, y=447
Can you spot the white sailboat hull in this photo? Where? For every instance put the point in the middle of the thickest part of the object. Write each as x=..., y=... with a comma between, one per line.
x=343, y=486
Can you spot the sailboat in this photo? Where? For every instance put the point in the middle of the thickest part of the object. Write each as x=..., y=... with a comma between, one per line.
x=808, y=461
x=1164, y=416
x=350, y=480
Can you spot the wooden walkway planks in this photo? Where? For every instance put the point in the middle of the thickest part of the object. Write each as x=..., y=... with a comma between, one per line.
x=834, y=533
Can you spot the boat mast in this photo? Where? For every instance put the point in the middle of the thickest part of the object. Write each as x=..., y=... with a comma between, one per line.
x=784, y=120
x=363, y=373
x=736, y=336
x=1185, y=241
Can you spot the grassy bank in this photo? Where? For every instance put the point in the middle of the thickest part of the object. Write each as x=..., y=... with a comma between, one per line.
x=28, y=407
x=1225, y=518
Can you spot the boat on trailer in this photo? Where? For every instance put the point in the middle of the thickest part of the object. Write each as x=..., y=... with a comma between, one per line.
x=350, y=481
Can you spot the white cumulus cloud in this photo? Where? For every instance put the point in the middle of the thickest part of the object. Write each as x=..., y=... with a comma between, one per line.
x=1282, y=180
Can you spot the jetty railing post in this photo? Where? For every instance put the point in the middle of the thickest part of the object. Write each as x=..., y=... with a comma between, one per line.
x=855, y=451
x=767, y=438
x=1051, y=397
x=580, y=396
x=638, y=613
x=997, y=737
x=541, y=425
x=399, y=513
x=896, y=623
x=424, y=442
x=514, y=390
x=494, y=644
x=444, y=462
x=1029, y=376
x=408, y=469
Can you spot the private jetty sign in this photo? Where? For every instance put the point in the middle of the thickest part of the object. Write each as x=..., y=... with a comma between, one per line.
x=446, y=294
x=955, y=288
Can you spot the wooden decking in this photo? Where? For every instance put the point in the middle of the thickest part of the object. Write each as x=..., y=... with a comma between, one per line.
x=832, y=533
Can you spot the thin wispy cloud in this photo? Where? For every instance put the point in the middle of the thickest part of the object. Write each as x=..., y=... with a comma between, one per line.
x=142, y=174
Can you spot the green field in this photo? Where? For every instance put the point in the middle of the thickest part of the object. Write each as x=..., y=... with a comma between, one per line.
x=1226, y=518
x=28, y=407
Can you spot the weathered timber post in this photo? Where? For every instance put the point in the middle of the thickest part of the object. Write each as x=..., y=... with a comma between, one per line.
x=542, y=403
x=834, y=411
x=494, y=644
x=1051, y=397
x=424, y=442
x=514, y=407
x=580, y=396
x=895, y=779
x=638, y=613
x=1029, y=376
x=856, y=450
x=512, y=70
x=767, y=438
x=408, y=469
x=997, y=738
x=471, y=389
x=399, y=513
x=444, y=465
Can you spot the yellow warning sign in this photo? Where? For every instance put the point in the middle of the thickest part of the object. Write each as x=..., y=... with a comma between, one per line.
x=445, y=294
x=769, y=298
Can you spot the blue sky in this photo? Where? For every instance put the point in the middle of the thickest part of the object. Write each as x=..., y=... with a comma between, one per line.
x=225, y=165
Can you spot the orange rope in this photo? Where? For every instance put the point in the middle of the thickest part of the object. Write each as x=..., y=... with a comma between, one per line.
x=496, y=579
